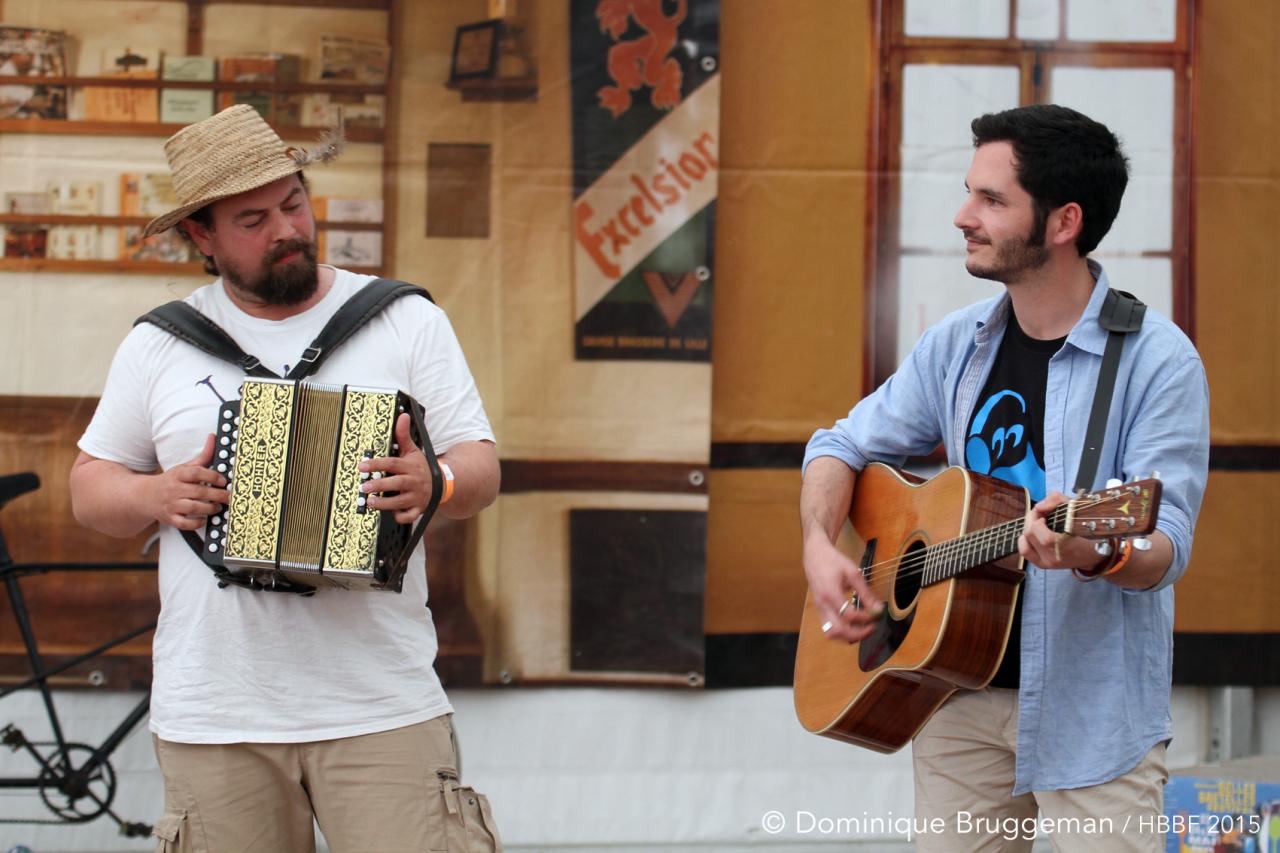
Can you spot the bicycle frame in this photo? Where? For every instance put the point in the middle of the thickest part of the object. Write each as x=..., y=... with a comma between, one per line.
x=52, y=767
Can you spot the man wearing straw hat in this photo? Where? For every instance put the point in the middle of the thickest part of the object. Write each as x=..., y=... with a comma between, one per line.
x=269, y=709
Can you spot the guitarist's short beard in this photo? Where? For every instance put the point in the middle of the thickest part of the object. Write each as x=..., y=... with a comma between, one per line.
x=1015, y=256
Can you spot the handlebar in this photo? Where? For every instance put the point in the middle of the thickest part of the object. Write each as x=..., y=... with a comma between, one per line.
x=13, y=485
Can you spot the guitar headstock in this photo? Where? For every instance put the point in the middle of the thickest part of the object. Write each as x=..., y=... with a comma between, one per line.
x=1127, y=509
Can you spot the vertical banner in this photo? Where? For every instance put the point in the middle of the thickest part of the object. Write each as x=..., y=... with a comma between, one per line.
x=646, y=132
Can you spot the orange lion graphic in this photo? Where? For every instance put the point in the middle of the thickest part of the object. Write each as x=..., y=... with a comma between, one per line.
x=643, y=61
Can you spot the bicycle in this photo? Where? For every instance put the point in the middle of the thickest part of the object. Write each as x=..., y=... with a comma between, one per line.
x=75, y=787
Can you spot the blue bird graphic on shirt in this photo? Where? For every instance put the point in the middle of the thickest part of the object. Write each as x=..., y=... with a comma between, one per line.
x=999, y=443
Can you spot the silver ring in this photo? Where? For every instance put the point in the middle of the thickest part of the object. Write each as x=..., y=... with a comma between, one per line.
x=826, y=626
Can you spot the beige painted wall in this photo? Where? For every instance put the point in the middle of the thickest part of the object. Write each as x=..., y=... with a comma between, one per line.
x=58, y=331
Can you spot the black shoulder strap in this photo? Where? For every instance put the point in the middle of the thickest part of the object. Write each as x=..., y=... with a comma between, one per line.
x=184, y=322
x=362, y=307
x=187, y=324
x=1122, y=313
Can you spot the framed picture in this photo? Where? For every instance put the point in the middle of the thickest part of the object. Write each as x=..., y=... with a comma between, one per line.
x=475, y=50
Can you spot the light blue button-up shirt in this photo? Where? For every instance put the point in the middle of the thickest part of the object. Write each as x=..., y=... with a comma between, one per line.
x=1096, y=659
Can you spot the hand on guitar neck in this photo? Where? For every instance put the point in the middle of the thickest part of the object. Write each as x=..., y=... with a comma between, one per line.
x=1052, y=550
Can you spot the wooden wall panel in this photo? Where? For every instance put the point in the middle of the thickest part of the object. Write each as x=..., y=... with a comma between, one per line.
x=1237, y=169
x=755, y=580
x=1230, y=586
x=791, y=221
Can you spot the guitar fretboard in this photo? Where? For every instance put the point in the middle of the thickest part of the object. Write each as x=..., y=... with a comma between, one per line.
x=945, y=560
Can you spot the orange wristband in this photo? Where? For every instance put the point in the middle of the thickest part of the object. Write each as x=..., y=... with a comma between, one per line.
x=448, y=482
x=1119, y=557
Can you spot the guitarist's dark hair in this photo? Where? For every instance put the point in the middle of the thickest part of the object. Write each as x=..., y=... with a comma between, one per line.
x=1062, y=156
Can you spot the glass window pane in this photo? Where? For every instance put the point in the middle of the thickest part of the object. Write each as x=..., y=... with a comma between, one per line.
x=939, y=102
x=1132, y=20
x=1149, y=279
x=1037, y=19
x=1137, y=104
x=929, y=288
x=971, y=19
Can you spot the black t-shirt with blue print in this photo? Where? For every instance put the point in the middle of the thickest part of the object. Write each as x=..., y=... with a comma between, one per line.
x=1005, y=439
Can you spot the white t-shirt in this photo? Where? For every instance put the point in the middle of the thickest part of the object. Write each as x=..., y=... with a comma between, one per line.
x=233, y=665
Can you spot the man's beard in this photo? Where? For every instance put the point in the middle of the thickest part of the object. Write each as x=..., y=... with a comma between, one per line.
x=287, y=284
x=1013, y=258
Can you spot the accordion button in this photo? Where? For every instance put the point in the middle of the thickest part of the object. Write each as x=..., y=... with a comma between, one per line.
x=222, y=468
x=360, y=501
x=213, y=546
x=226, y=427
x=377, y=475
x=364, y=475
x=222, y=454
x=226, y=413
x=213, y=534
x=224, y=441
x=216, y=520
x=236, y=420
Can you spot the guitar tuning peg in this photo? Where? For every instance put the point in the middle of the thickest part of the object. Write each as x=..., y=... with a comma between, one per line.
x=1080, y=492
x=1113, y=483
x=1142, y=543
x=1155, y=475
x=1135, y=478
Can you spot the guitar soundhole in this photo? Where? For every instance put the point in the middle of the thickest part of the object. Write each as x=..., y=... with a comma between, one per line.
x=890, y=630
x=906, y=584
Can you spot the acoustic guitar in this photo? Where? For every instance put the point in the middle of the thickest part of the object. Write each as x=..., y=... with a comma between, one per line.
x=942, y=554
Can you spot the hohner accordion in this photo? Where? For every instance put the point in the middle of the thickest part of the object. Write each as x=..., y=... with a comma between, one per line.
x=297, y=516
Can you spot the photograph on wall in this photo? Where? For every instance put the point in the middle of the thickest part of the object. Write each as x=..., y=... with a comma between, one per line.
x=646, y=128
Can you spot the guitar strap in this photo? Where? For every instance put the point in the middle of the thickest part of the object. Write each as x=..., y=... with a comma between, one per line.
x=186, y=323
x=1122, y=314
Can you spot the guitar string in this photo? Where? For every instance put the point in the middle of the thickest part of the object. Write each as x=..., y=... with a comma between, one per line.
x=968, y=545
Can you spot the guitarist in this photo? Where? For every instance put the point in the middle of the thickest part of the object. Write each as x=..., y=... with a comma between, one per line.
x=1075, y=723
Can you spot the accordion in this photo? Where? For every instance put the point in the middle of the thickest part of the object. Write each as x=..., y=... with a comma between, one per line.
x=297, y=518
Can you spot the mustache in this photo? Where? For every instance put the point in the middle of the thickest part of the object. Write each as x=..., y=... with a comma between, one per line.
x=973, y=235
x=306, y=247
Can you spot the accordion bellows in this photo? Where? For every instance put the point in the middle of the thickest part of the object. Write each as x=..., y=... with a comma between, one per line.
x=291, y=451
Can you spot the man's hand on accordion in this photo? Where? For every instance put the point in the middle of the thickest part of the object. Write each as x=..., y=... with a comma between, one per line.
x=187, y=494
x=406, y=474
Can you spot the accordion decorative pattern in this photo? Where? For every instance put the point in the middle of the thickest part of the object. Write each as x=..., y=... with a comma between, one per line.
x=367, y=424
x=258, y=457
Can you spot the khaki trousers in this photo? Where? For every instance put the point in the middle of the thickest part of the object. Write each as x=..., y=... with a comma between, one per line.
x=390, y=791
x=964, y=768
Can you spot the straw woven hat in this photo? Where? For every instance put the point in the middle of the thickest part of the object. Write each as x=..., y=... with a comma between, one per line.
x=232, y=152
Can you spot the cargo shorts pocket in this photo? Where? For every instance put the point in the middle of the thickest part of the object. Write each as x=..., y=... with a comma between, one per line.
x=469, y=826
x=170, y=829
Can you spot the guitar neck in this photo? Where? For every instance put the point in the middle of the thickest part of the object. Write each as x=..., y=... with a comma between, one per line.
x=1126, y=510
x=946, y=560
